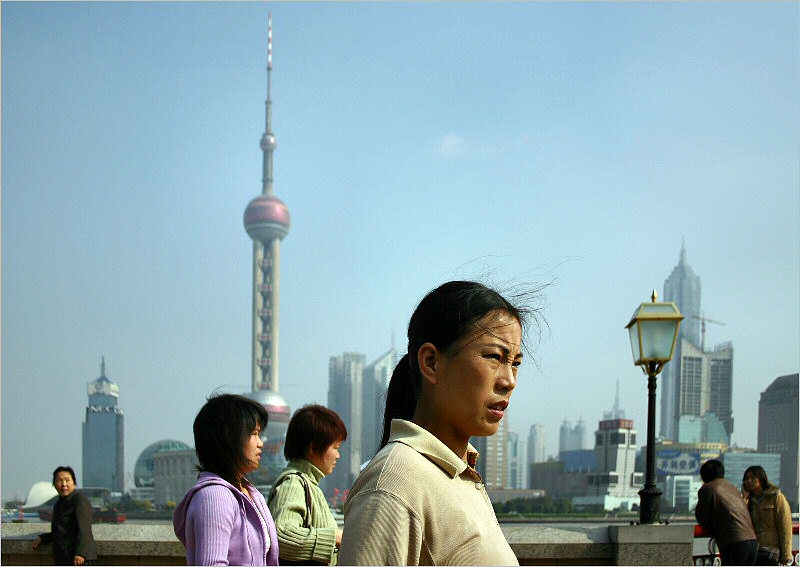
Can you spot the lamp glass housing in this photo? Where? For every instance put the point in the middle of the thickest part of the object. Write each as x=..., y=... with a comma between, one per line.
x=653, y=331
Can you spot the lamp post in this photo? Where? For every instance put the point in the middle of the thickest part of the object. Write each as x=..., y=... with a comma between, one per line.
x=653, y=331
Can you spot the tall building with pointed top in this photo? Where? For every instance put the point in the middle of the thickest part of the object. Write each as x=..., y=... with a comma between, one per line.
x=267, y=222
x=697, y=384
x=682, y=287
x=103, y=436
x=616, y=412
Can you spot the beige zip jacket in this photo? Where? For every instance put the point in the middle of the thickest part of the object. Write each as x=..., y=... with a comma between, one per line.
x=772, y=520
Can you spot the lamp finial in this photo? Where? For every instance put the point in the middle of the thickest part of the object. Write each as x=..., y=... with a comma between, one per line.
x=654, y=296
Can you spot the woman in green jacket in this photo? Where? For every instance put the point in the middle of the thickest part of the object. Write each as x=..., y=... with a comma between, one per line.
x=307, y=531
x=771, y=515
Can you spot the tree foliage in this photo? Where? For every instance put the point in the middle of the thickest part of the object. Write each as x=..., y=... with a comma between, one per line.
x=128, y=504
x=545, y=505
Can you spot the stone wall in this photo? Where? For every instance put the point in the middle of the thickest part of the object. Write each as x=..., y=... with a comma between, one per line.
x=554, y=543
x=117, y=544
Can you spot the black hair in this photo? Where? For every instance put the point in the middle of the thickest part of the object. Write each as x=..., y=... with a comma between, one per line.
x=64, y=468
x=712, y=469
x=444, y=317
x=312, y=427
x=759, y=472
x=221, y=430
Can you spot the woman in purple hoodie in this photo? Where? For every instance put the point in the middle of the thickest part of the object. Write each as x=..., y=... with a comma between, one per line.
x=223, y=519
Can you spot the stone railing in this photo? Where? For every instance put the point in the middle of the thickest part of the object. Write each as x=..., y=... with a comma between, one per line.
x=117, y=544
x=549, y=543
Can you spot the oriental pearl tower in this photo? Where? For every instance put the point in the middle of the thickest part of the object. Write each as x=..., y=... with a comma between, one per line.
x=267, y=222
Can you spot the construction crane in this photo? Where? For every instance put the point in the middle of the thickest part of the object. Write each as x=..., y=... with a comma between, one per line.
x=703, y=320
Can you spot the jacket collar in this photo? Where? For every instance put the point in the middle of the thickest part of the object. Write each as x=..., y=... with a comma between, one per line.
x=307, y=468
x=427, y=444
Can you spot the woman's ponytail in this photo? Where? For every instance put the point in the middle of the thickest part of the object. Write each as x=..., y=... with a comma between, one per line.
x=401, y=397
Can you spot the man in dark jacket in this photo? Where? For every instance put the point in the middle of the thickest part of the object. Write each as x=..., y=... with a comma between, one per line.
x=721, y=509
x=71, y=527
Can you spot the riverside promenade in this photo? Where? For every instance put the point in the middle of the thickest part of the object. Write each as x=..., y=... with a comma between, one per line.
x=534, y=543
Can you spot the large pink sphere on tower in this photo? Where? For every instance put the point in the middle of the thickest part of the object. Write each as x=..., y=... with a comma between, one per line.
x=266, y=218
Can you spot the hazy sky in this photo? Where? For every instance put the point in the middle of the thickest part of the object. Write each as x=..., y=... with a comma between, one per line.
x=417, y=142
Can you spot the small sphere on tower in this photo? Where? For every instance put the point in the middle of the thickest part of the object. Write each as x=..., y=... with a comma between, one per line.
x=268, y=142
x=266, y=218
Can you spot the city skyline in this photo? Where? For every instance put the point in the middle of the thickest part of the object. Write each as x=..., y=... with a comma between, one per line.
x=573, y=143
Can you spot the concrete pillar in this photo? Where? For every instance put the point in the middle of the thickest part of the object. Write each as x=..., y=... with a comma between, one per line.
x=652, y=544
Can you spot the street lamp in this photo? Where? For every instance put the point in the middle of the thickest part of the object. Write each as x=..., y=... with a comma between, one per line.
x=653, y=330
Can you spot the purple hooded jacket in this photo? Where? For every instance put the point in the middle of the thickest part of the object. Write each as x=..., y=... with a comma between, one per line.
x=218, y=525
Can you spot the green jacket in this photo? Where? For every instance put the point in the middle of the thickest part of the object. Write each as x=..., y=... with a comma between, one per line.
x=287, y=502
x=772, y=520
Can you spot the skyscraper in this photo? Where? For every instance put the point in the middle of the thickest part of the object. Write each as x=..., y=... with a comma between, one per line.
x=696, y=382
x=375, y=382
x=103, y=436
x=493, y=461
x=720, y=384
x=682, y=287
x=571, y=438
x=345, y=397
x=778, y=411
x=536, y=451
x=516, y=462
x=266, y=220
x=358, y=394
x=536, y=444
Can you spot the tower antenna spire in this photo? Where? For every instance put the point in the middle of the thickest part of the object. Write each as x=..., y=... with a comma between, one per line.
x=268, y=143
x=269, y=44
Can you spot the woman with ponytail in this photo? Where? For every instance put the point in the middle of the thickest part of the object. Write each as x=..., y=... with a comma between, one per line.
x=416, y=502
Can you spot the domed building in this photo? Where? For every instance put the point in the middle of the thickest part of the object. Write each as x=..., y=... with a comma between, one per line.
x=144, y=470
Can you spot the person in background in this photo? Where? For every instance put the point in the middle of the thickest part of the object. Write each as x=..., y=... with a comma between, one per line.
x=771, y=515
x=416, y=502
x=223, y=519
x=71, y=526
x=721, y=509
x=307, y=531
